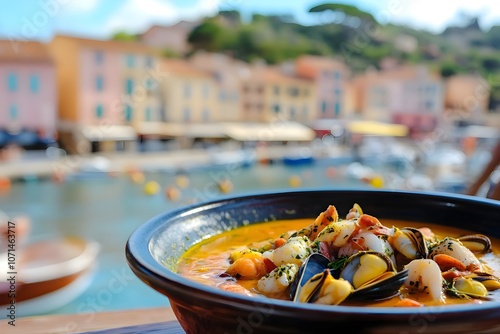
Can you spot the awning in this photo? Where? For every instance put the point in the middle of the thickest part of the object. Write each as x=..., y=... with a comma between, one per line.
x=161, y=129
x=190, y=130
x=377, y=128
x=109, y=133
x=273, y=131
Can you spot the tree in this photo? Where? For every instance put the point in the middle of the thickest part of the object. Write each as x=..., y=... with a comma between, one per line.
x=347, y=10
x=124, y=37
x=206, y=36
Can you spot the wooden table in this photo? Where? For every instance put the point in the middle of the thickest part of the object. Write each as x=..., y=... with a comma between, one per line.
x=150, y=320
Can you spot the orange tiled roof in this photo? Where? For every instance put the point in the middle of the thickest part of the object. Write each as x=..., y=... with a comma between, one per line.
x=111, y=45
x=22, y=51
x=270, y=74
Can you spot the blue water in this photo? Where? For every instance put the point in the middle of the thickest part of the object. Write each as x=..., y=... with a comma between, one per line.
x=108, y=209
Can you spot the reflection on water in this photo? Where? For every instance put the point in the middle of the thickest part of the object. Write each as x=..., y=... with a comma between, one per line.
x=108, y=209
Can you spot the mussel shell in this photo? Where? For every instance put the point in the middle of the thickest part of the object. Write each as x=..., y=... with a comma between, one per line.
x=476, y=243
x=419, y=240
x=383, y=289
x=352, y=264
x=314, y=264
x=385, y=286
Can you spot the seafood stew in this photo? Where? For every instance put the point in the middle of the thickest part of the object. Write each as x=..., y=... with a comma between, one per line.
x=353, y=260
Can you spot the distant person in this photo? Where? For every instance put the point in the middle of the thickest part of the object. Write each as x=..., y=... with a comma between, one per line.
x=494, y=191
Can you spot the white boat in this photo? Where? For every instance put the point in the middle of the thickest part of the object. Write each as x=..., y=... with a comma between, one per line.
x=48, y=274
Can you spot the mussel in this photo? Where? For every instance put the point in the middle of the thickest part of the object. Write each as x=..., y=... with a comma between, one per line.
x=365, y=275
x=410, y=242
x=373, y=276
x=476, y=243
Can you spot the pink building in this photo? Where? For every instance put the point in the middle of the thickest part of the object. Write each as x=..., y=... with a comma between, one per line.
x=28, y=98
x=331, y=77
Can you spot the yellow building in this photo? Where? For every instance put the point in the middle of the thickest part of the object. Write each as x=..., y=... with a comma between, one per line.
x=467, y=97
x=105, y=89
x=269, y=93
x=189, y=94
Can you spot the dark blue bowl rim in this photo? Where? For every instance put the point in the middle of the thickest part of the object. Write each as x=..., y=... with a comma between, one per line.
x=162, y=279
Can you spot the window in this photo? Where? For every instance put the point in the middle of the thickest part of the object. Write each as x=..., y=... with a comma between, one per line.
x=186, y=114
x=12, y=82
x=337, y=108
x=205, y=91
x=337, y=92
x=323, y=107
x=129, y=86
x=99, y=57
x=34, y=83
x=293, y=91
x=276, y=108
x=128, y=113
x=206, y=115
x=147, y=114
x=336, y=75
x=276, y=90
x=149, y=84
x=99, y=83
x=130, y=61
x=293, y=113
x=305, y=112
x=187, y=90
x=99, y=111
x=13, y=112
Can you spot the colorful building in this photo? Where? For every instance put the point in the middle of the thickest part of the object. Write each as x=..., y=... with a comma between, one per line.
x=28, y=94
x=270, y=93
x=331, y=77
x=228, y=73
x=408, y=95
x=467, y=97
x=106, y=88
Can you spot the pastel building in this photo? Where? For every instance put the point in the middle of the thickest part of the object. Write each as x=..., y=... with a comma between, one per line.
x=269, y=93
x=467, y=97
x=228, y=74
x=408, y=95
x=28, y=95
x=106, y=88
x=331, y=78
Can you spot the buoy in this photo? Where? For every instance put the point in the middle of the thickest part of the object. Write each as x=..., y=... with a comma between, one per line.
x=58, y=177
x=137, y=177
x=172, y=193
x=151, y=188
x=225, y=186
x=5, y=184
x=377, y=182
x=331, y=172
x=182, y=181
x=295, y=181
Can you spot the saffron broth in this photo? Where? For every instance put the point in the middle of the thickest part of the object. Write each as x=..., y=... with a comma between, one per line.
x=207, y=261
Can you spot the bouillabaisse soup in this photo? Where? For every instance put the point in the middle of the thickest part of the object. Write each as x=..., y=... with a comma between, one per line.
x=355, y=260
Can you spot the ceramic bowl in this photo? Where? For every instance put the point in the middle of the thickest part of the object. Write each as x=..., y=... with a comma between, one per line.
x=155, y=247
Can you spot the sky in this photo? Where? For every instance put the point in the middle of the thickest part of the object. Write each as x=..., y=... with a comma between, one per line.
x=42, y=19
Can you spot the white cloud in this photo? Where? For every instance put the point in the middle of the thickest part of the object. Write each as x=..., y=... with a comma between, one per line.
x=138, y=15
x=435, y=15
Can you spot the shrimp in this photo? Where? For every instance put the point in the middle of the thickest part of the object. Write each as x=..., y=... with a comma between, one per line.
x=424, y=275
x=372, y=224
x=328, y=216
x=277, y=280
x=295, y=251
x=367, y=241
x=457, y=250
x=248, y=265
x=337, y=234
